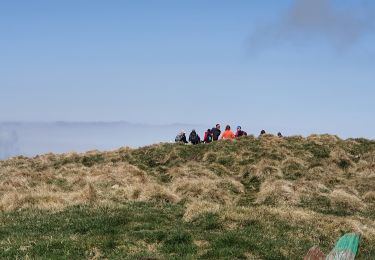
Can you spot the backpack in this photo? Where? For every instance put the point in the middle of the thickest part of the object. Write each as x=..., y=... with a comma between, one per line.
x=207, y=137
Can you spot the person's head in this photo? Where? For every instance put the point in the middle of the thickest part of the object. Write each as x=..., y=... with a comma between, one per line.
x=218, y=126
x=238, y=128
x=209, y=131
x=193, y=131
x=279, y=134
x=262, y=132
x=227, y=127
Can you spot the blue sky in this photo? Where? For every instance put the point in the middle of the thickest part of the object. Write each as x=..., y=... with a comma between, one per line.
x=301, y=67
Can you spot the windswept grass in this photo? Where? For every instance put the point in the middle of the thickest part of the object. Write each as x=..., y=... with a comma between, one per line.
x=252, y=198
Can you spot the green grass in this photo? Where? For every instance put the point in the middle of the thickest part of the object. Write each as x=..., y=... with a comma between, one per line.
x=90, y=160
x=124, y=233
x=75, y=231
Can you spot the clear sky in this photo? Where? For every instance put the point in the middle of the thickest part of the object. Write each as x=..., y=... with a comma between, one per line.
x=298, y=66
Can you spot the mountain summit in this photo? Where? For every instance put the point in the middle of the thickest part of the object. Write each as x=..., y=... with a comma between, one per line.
x=254, y=198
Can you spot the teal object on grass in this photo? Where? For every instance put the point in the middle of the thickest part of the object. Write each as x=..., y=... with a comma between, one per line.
x=346, y=247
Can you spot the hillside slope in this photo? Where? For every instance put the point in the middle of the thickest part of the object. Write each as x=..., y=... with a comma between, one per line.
x=254, y=198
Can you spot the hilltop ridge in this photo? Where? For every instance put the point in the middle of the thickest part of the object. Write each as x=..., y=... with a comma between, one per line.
x=321, y=186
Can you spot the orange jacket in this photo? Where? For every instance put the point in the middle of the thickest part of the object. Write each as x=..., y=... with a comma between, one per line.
x=228, y=134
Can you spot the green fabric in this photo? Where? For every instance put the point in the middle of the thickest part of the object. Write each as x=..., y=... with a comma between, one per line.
x=348, y=242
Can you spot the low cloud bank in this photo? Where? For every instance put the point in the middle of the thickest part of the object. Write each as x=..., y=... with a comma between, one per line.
x=30, y=139
x=8, y=143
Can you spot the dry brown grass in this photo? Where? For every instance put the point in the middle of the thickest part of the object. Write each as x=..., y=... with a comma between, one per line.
x=266, y=168
x=24, y=187
x=277, y=192
x=369, y=196
x=290, y=172
x=342, y=199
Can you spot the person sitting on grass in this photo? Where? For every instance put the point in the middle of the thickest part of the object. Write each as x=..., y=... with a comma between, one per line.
x=239, y=132
x=181, y=138
x=216, y=132
x=228, y=134
x=194, y=137
x=207, y=136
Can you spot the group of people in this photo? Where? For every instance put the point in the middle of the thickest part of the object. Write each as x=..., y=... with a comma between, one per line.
x=210, y=135
x=214, y=134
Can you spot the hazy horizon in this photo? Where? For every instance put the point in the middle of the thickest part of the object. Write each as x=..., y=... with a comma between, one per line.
x=35, y=138
x=295, y=66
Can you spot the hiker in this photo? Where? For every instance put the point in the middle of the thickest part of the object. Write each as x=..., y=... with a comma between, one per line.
x=216, y=132
x=208, y=136
x=228, y=134
x=194, y=137
x=279, y=134
x=181, y=138
x=239, y=132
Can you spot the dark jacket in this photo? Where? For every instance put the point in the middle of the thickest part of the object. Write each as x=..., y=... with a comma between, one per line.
x=181, y=138
x=194, y=138
x=215, y=133
x=241, y=133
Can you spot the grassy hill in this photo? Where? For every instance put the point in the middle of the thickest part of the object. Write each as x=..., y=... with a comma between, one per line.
x=252, y=198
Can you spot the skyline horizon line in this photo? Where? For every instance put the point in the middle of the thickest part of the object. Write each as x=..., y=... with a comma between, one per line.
x=303, y=133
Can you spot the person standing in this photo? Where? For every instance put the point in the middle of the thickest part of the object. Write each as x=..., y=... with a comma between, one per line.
x=216, y=132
